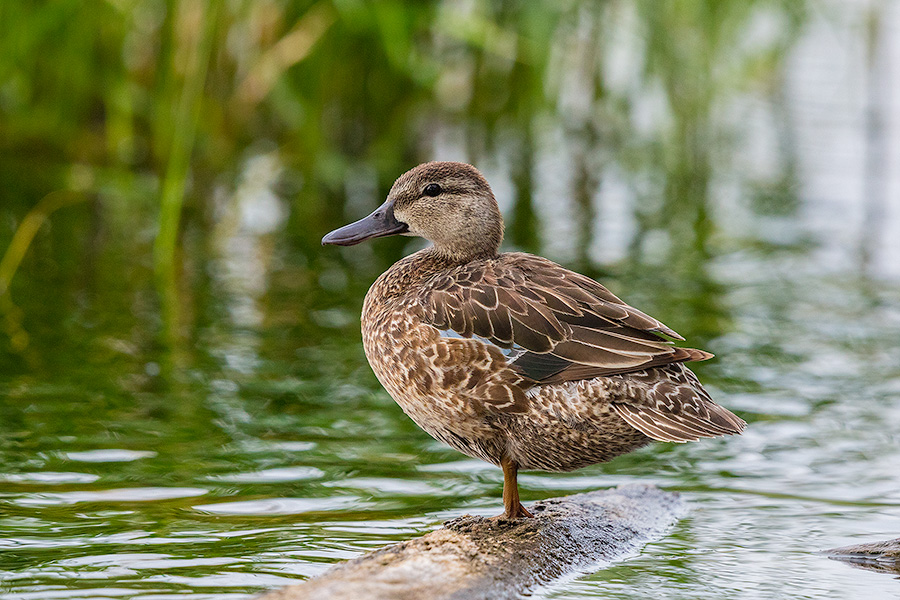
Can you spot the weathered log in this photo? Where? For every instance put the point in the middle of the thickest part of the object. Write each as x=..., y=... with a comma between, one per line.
x=875, y=556
x=474, y=558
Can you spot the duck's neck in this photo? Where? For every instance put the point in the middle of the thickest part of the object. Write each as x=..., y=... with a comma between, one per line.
x=413, y=270
x=422, y=265
x=453, y=256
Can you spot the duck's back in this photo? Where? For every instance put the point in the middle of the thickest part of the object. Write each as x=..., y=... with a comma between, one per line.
x=514, y=354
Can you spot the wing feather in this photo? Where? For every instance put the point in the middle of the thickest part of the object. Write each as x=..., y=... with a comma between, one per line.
x=567, y=326
x=554, y=326
x=670, y=405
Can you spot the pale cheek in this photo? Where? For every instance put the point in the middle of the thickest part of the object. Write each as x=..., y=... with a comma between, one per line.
x=440, y=229
x=404, y=218
x=440, y=224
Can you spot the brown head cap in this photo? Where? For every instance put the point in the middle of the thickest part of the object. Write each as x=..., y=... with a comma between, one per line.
x=451, y=205
x=447, y=203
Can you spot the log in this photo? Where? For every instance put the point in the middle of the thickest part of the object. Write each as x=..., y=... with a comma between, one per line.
x=474, y=558
x=875, y=556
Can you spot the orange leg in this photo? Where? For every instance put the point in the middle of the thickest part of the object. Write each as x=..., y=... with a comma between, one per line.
x=514, y=508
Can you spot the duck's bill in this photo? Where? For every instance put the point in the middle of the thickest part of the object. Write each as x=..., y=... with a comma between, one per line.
x=379, y=224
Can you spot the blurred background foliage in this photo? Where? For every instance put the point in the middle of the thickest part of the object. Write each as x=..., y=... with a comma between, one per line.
x=140, y=116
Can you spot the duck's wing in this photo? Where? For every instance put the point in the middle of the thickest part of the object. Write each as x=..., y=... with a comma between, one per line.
x=669, y=404
x=555, y=325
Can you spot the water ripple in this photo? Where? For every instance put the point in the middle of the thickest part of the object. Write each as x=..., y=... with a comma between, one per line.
x=141, y=494
x=278, y=506
x=109, y=455
x=49, y=477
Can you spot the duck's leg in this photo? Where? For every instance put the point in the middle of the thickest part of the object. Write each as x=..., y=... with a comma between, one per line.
x=514, y=508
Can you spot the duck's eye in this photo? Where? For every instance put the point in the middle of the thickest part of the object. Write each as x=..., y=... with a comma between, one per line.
x=432, y=189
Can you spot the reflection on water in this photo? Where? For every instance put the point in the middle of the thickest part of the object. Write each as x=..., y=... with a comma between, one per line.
x=741, y=187
x=109, y=455
x=119, y=495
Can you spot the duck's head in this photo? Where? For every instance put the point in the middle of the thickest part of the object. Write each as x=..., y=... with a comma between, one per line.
x=448, y=203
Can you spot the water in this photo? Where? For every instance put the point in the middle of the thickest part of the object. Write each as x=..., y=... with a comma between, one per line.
x=224, y=435
x=116, y=485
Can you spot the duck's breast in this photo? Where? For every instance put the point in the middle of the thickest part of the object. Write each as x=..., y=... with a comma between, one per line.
x=450, y=387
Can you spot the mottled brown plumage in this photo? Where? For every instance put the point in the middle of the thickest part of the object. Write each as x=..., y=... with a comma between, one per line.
x=510, y=357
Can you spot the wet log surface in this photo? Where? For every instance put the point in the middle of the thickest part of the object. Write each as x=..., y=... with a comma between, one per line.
x=474, y=558
x=877, y=556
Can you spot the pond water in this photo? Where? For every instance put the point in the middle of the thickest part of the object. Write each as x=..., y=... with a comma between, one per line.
x=249, y=446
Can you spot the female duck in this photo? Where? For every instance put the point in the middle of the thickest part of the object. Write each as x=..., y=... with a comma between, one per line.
x=510, y=357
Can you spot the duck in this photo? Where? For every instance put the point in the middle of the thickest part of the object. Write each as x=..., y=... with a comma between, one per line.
x=509, y=357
